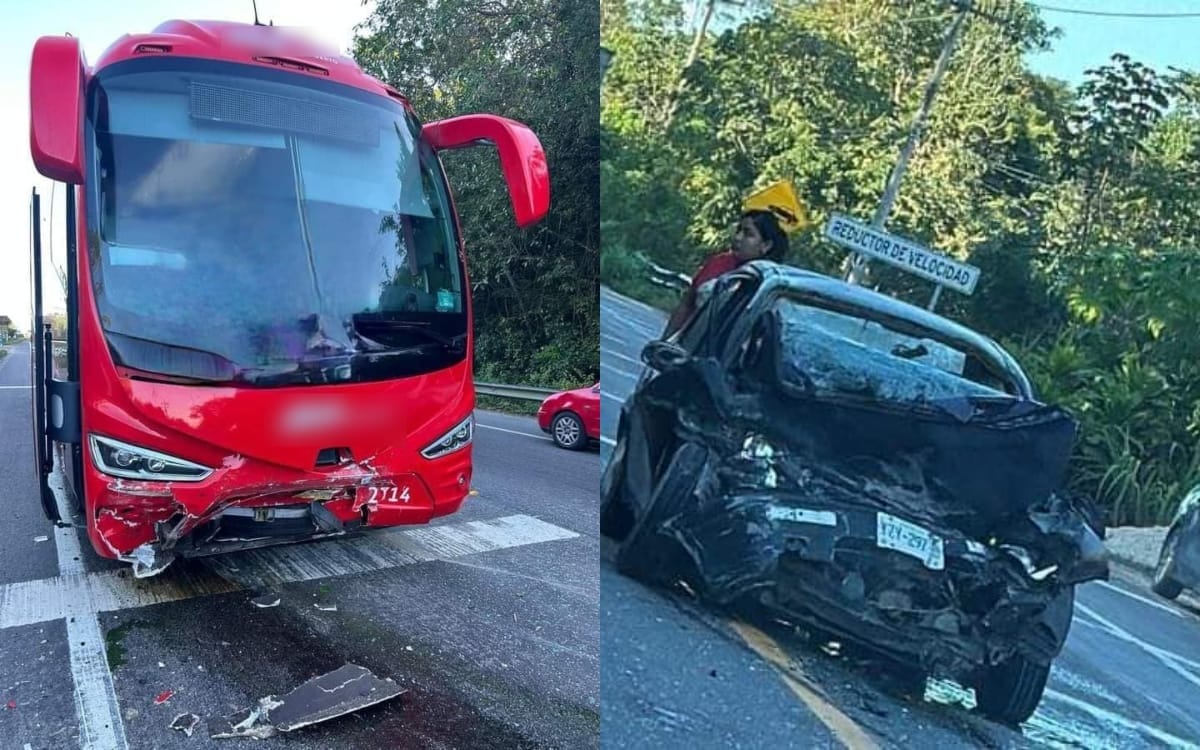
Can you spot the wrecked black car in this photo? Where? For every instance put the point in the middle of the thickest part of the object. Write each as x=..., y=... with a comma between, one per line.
x=1178, y=565
x=852, y=462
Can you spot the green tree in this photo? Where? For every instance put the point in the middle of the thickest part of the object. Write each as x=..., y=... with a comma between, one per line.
x=536, y=308
x=1078, y=205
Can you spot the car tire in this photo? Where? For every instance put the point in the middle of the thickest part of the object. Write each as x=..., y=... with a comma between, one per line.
x=1009, y=692
x=1163, y=584
x=567, y=431
x=658, y=561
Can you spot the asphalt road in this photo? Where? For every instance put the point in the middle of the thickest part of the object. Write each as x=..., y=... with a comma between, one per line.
x=487, y=618
x=676, y=674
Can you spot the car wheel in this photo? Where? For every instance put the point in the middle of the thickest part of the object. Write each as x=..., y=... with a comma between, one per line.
x=1164, y=585
x=567, y=431
x=645, y=554
x=1010, y=691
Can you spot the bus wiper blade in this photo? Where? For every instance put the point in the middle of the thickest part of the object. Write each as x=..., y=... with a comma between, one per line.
x=158, y=360
x=453, y=343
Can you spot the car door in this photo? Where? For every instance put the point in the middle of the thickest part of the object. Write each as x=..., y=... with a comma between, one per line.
x=589, y=408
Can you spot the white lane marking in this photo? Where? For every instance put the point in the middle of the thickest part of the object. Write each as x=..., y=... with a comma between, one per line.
x=84, y=594
x=1109, y=717
x=1143, y=600
x=620, y=356
x=1168, y=659
x=615, y=313
x=512, y=432
x=606, y=394
x=15, y=387
x=618, y=340
x=100, y=726
x=574, y=590
x=617, y=370
x=621, y=299
x=70, y=556
x=1105, y=626
x=96, y=706
x=1081, y=685
x=634, y=329
x=607, y=440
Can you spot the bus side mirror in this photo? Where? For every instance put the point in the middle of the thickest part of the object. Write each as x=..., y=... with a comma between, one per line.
x=56, y=108
x=521, y=157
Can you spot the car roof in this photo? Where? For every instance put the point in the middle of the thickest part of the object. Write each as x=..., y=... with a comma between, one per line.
x=777, y=278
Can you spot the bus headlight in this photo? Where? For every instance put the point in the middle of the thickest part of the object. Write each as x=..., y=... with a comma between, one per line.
x=131, y=462
x=456, y=439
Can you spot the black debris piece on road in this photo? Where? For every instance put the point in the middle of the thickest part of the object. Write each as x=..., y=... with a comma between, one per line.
x=347, y=689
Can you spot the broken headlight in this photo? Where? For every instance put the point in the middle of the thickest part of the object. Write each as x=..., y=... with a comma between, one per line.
x=131, y=462
x=456, y=439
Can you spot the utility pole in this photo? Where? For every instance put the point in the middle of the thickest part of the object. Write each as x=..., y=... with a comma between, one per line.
x=858, y=264
x=709, y=7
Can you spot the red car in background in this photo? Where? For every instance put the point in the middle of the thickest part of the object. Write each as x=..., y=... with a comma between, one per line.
x=572, y=418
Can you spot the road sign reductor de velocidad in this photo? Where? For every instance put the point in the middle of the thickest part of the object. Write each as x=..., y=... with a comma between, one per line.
x=898, y=251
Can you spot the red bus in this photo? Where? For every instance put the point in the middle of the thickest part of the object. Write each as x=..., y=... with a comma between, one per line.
x=268, y=312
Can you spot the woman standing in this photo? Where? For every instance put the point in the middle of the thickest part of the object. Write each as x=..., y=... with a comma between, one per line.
x=759, y=236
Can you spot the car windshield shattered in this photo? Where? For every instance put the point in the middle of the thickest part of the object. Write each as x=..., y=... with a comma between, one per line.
x=864, y=466
x=835, y=353
x=252, y=231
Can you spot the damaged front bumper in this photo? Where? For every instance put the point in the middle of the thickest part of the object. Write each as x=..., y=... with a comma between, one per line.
x=243, y=506
x=937, y=540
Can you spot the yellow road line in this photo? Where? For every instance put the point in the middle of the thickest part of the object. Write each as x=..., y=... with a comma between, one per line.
x=843, y=727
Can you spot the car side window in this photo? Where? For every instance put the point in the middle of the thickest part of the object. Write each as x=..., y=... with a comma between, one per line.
x=977, y=372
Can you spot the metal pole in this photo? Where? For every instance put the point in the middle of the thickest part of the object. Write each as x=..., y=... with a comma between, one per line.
x=693, y=53
x=937, y=294
x=858, y=264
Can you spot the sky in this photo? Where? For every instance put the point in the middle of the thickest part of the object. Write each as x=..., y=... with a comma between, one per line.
x=1088, y=40
x=97, y=25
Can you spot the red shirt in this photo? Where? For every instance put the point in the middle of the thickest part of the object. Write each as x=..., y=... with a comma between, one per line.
x=715, y=266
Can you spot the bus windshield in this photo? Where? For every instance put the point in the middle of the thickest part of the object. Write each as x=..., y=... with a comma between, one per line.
x=254, y=227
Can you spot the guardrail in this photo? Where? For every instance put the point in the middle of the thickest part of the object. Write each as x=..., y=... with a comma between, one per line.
x=529, y=393
x=526, y=392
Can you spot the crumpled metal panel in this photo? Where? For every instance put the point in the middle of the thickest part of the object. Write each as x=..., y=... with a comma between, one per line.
x=801, y=457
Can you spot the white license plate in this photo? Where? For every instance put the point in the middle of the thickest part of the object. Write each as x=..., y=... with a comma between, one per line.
x=910, y=539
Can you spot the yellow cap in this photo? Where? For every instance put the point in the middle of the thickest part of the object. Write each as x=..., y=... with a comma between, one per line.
x=780, y=199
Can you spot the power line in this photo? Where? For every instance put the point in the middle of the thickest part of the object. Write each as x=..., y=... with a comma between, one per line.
x=1110, y=14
